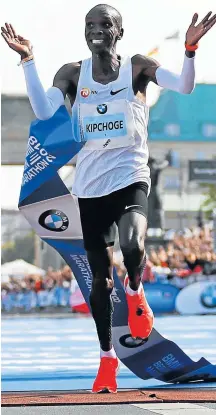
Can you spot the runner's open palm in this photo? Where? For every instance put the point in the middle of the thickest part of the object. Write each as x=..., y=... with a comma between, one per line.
x=16, y=42
x=194, y=33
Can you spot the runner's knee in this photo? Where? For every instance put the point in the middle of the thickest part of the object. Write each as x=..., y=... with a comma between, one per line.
x=133, y=251
x=101, y=287
x=101, y=267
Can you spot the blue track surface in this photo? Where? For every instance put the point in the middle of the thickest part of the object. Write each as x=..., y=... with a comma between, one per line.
x=63, y=353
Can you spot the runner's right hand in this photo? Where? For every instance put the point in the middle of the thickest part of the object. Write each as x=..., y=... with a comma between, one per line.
x=16, y=42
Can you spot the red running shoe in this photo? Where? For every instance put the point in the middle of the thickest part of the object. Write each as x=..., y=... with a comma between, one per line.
x=106, y=377
x=140, y=315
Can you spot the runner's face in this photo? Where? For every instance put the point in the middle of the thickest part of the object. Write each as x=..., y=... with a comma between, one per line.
x=101, y=31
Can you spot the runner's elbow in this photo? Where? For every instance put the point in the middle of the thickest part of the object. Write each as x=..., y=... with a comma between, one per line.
x=45, y=115
x=186, y=89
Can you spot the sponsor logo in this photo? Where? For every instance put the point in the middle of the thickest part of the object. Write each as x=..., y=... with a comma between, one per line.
x=116, y=92
x=85, y=92
x=102, y=109
x=37, y=159
x=115, y=296
x=127, y=341
x=208, y=296
x=54, y=220
x=82, y=263
x=131, y=206
x=104, y=126
x=107, y=143
x=169, y=361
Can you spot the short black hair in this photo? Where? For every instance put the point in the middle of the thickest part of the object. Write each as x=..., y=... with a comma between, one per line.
x=116, y=15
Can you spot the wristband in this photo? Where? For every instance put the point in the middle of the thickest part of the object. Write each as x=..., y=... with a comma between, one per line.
x=191, y=48
x=28, y=58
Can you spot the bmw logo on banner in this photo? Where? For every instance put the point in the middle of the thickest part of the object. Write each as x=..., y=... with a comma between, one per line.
x=202, y=297
x=208, y=296
x=54, y=220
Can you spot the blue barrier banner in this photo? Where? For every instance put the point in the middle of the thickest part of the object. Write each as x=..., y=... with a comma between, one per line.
x=161, y=297
x=202, y=296
x=53, y=213
x=57, y=296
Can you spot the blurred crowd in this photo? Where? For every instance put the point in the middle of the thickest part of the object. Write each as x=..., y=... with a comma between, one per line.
x=185, y=255
x=37, y=292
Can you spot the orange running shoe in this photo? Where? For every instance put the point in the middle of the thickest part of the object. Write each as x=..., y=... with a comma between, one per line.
x=140, y=315
x=106, y=377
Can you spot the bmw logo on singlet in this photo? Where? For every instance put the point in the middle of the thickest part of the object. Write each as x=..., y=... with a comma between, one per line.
x=54, y=220
x=102, y=109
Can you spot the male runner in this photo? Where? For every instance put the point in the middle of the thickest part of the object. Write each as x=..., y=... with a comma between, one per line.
x=112, y=181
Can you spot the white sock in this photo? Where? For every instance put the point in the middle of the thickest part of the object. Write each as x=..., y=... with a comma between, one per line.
x=132, y=292
x=110, y=353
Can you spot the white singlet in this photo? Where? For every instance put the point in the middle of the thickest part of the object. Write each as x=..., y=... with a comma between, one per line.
x=113, y=124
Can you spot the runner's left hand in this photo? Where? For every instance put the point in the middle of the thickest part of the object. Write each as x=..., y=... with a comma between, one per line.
x=194, y=33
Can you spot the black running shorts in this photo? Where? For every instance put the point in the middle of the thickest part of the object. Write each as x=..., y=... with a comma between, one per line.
x=99, y=215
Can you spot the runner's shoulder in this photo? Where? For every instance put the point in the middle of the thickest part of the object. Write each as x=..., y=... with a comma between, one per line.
x=68, y=71
x=144, y=62
x=144, y=67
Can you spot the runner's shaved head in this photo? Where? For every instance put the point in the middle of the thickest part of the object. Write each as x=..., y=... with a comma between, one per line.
x=109, y=9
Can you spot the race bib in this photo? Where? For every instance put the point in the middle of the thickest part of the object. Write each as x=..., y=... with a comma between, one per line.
x=108, y=125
